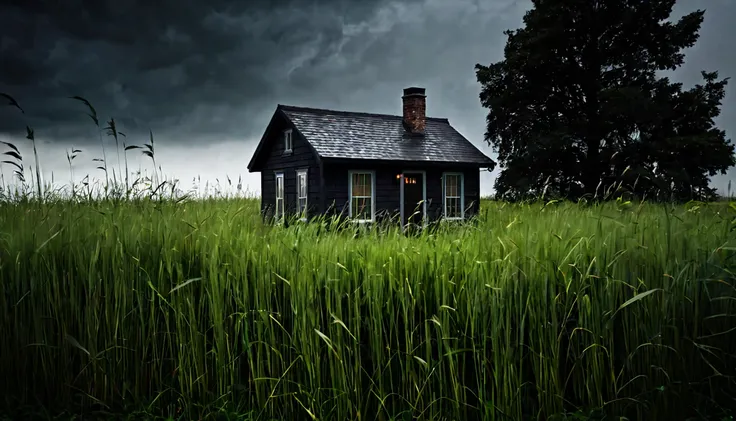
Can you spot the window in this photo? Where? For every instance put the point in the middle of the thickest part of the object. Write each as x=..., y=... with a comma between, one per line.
x=301, y=201
x=287, y=141
x=362, y=195
x=279, y=195
x=453, y=188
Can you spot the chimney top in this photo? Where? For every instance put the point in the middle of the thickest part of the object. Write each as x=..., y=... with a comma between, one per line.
x=414, y=91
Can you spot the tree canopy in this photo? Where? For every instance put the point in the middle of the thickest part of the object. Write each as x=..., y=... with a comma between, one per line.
x=580, y=106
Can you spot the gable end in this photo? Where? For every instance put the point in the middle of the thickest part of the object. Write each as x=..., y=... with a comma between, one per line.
x=275, y=134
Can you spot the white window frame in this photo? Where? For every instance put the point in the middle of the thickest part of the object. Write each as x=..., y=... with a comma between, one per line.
x=302, y=210
x=279, y=175
x=288, y=141
x=462, y=195
x=372, y=174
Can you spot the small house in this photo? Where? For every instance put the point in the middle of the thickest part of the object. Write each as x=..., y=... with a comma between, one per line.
x=367, y=167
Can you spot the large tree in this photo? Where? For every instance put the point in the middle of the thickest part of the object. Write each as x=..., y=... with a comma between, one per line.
x=579, y=103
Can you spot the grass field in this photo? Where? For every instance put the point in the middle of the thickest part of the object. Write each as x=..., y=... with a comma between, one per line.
x=197, y=309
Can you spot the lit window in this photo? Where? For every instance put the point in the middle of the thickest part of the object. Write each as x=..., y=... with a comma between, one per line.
x=287, y=141
x=301, y=182
x=362, y=196
x=279, y=196
x=454, y=196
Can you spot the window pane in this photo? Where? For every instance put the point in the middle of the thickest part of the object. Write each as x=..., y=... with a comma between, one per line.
x=279, y=208
x=452, y=205
x=355, y=185
x=302, y=184
x=361, y=185
x=361, y=208
x=355, y=206
x=452, y=186
x=279, y=186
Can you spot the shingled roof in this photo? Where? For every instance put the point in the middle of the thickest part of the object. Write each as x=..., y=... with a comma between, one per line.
x=411, y=137
x=354, y=135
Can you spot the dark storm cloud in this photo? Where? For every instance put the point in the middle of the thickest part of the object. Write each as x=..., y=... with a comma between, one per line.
x=187, y=65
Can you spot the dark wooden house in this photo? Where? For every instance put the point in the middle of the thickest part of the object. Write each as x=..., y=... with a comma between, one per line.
x=368, y=166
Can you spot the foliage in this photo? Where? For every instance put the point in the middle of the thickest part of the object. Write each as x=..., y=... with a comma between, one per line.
x=579, y=104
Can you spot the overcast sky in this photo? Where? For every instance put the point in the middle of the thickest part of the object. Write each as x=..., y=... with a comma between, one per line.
x=206, y=76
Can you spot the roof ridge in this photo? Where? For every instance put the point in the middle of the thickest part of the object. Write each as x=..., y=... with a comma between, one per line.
x=353, y=113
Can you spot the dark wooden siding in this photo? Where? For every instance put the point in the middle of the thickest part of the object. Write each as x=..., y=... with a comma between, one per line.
x=472, y=192
x=274, y=160
x=336, y=189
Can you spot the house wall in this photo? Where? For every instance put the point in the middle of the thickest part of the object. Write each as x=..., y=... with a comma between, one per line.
x=275, y=160
x=388, y=188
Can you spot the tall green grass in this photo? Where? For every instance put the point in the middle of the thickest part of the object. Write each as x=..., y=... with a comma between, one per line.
x=531, y=312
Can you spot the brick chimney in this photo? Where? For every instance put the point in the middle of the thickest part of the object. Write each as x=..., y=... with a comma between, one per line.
x=415, y=110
